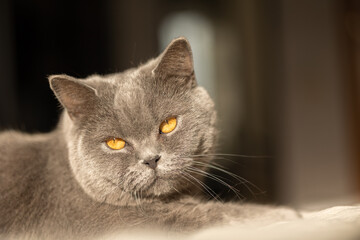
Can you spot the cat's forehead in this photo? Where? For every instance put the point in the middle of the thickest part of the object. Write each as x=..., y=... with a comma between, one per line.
x=138, y=101
x=126, y=86
x=131, y=88
x=132, y=101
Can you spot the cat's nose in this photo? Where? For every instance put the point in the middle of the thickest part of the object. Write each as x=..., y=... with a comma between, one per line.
x=152, y=161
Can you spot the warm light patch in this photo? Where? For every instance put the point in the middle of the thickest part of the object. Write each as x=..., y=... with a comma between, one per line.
x=116, y=143
x=168, y=125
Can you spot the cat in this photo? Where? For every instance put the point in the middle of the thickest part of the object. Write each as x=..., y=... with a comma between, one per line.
x=126, y=154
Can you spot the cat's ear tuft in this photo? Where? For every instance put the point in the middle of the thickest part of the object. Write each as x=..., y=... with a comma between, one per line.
x=177, y=60
x=77, y=97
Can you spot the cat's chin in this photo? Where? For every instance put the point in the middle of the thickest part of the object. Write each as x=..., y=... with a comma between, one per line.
x=154, y=187
x=160, y=187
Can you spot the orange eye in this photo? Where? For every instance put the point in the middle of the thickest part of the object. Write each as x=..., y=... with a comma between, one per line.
x=116, y=143
x=168, y=125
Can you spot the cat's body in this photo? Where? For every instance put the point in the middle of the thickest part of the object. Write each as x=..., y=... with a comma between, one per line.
x=69, y=183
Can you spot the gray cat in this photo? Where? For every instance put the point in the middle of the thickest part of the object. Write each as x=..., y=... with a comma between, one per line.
x=128, y=153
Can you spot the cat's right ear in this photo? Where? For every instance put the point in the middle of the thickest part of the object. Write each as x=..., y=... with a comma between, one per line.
x=75, y=95
x=177, y=61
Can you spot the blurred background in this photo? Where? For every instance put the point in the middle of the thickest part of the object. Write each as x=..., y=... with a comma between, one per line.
x=285, y=76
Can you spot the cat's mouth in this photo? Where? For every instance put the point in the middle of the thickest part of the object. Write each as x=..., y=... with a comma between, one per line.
x=153, y=182
x=158, y=183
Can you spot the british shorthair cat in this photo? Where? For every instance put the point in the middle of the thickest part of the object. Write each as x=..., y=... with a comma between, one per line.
x=126, y=154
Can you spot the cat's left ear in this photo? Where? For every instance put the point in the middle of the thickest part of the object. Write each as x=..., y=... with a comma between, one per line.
x=177, y=61
x=77, y=97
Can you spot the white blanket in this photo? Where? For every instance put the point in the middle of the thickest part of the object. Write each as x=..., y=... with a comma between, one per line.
x=336, y=223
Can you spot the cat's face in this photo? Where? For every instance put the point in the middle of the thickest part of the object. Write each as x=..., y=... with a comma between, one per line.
x=134, y=134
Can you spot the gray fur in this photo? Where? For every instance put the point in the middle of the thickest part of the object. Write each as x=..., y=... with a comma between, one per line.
x=69, y=183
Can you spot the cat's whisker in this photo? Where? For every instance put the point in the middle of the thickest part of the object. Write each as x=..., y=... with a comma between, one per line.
x=203, y=185
x=230, y=155
x=199, y=169
x=217, y=177
x=175, y=189
x=208, y=189
x=138, y=203
x=136, y=198
x=229, y=160
x=222, y=169
x=237, y=177
x=212, y=163
x=141, y=193
x=195, y=185
x=189, y=180
x=141, y=205
x=214, y=177
x=121, y=194
x=215, y=158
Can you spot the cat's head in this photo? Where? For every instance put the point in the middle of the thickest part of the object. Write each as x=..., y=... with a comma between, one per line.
x=136, y=133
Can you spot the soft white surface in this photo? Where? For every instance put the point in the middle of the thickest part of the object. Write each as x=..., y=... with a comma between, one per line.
x=338, y=223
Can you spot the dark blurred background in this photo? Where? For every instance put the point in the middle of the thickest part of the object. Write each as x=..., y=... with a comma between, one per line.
x=285, y=76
